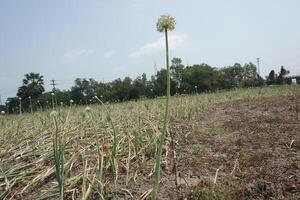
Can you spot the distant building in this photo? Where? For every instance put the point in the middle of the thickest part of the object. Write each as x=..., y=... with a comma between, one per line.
x=293, y=79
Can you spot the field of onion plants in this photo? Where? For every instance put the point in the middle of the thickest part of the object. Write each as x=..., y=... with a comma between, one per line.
x=107, y=151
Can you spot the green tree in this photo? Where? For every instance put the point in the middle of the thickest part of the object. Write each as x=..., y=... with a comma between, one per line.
x=177, y=70
x=121, y=90
x=12, y=104
x=139, y=87
x=160, y=85
x=250, y=76
x=199, y=78
x=281, y=77
x=83, y=90
x=271, y=79
x=233, y=75
x=33, y=87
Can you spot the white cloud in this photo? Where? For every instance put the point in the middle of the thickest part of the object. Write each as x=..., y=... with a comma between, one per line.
x=175, y=41
x=75, y=54
x=108, y=54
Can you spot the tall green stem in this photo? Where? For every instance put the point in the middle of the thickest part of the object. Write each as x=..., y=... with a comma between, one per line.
x=165, y=128
x=58, y=149
x=20, y=107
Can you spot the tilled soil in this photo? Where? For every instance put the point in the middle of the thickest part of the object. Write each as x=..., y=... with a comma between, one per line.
x=247, y=149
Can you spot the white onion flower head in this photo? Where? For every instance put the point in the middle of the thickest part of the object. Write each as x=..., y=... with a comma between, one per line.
x=71, y=101
x=54, y=114
x=165, y=22
x=2, y=112
x=52, y=94
x=88, y=109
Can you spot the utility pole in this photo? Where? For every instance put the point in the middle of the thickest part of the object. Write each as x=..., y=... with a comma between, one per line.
x=53, y=92
x=258, y=61
x=155, y=68
x=53, y=85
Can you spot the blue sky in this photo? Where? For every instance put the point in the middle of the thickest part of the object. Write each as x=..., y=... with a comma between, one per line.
x=104, y=40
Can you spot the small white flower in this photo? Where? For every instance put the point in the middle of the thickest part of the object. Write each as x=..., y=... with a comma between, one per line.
x=71, y=101
x=52, y=94
x=2, y=112
x=54, y=114
x=87, y=109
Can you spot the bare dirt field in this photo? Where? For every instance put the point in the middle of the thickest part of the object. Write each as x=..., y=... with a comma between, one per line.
x=252, y=145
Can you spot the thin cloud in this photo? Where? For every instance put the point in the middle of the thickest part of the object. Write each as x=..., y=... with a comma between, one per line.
x=75, y=54
x=108, y=54
x=175, y=41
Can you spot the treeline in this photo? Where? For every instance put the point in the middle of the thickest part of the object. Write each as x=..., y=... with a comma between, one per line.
x=184, y=80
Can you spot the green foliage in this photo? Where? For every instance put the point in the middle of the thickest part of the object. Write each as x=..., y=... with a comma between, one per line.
x=58, y=151
x=192, y=79
x=12, y=105
x=33, y=87
x=199, y=78
x=273, y=78
x=281, y=77
x=199, y=149
x=207, y=190
x=2, y=108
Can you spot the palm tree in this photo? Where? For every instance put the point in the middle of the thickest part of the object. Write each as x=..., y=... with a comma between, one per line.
x=33, y=87
x=164, y=24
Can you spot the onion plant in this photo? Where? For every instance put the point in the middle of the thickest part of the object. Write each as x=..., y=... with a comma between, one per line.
x=30, y=101
x=53, y=102
x=114, y=142
x=100, y=173
x=58, y=149
x=164, y=24
x=20, y=105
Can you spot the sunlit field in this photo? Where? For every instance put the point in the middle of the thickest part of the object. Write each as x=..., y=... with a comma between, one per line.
x=108, y=151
